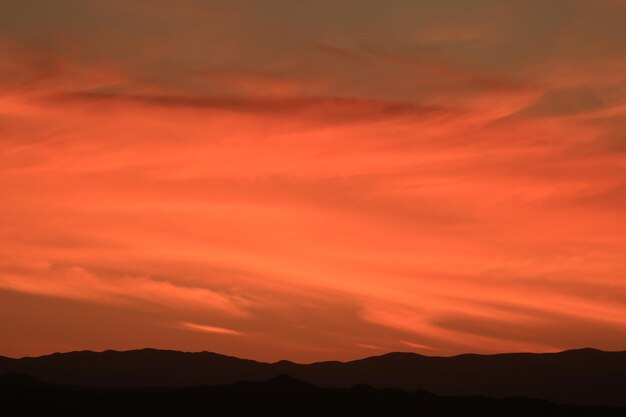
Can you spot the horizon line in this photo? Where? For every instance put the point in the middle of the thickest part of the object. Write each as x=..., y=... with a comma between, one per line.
x=587, y=348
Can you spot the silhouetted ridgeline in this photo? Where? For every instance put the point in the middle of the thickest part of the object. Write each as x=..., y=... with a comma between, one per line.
x=22, y=396
x=584, y=376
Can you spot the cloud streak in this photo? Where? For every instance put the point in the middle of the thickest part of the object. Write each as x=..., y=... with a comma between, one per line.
x=209, y=329
x=79, y=283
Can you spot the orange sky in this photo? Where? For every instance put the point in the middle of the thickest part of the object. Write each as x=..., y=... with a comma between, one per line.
x=312, y=180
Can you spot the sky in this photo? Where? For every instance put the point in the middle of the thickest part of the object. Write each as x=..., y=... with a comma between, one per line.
x=315, y=180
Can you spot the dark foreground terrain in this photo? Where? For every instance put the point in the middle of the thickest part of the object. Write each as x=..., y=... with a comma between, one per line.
x=581, y=377
x=21, y=395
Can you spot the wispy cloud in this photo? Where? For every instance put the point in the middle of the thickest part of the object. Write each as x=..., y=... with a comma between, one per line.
x=210, y=329
x=79, y=283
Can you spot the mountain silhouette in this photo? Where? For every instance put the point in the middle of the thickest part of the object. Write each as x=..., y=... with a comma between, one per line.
x=20, y=380
x=282, y=395
x=583, y=376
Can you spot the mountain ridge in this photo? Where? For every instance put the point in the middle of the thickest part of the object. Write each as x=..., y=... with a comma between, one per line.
x=283, y=395
x=584, y=376
x=150, y=349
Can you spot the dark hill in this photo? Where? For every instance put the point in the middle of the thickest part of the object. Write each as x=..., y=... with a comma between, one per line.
x=282, y=395
x=584, y=376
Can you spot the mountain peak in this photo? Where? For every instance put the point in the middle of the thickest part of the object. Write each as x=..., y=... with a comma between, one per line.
x=585, y=350
x=288, y=380
x=19, y=380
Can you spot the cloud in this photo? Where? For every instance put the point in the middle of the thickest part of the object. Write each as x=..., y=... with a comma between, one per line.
x=333, y=109
x=79, y=283
x=417, y=346
x=565, y=103
x=209, y=329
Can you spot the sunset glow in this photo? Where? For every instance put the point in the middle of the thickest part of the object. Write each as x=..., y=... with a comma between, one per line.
x=294, y=180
